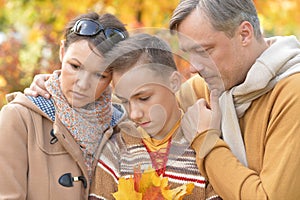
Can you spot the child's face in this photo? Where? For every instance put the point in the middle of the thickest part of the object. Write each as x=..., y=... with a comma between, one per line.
x=149, y=101
x=82, y=78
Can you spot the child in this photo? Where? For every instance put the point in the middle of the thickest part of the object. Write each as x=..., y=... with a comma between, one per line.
x=145, y=80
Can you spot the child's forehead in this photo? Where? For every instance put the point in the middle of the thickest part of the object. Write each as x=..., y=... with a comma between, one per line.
x=127, y=83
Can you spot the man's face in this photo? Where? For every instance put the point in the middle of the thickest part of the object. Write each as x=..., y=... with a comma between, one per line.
x=215, y=56
x=149, y=101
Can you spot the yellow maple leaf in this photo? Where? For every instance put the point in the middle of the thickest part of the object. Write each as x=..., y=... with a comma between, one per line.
x=150, y=178
x=149, y=186
x=179, y=192
x=126, y=190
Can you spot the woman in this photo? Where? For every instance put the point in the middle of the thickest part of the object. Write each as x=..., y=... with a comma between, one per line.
x=48, y=146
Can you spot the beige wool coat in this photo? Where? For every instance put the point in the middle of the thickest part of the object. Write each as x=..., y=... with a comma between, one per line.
x=30, y=166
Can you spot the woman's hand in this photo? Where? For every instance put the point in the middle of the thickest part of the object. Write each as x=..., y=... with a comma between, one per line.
x=37, y=87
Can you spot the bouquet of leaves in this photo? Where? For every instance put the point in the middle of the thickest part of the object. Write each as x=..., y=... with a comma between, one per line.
x=149, y=186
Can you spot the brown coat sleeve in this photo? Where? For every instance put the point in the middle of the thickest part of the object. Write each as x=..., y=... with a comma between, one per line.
x=13, y=152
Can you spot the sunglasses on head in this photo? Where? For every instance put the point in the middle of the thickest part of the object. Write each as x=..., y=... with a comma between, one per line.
x=89, y=27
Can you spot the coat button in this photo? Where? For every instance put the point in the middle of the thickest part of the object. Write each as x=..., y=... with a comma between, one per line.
x=54, y=138
x=67, y=180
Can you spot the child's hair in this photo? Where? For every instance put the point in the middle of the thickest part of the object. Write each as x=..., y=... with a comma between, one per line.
x=140, y=49
x=106, y=20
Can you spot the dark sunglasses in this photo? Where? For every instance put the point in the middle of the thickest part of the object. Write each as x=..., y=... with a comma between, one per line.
x=89, y=27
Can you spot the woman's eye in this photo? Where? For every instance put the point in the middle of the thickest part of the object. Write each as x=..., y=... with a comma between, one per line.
x=75, y=67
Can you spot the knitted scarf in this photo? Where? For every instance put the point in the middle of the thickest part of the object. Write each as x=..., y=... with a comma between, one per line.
x=279, y=61
x=86, y=124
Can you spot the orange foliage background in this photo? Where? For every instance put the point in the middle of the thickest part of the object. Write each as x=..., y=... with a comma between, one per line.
x=30, y=31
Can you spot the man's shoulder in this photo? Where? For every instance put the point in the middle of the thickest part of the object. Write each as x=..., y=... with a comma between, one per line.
x=290, y=83
x=192, y=90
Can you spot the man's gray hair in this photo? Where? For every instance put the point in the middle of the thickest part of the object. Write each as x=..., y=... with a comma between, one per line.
x=224, y=15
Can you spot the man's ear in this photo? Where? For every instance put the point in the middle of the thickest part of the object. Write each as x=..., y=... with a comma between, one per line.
x=246, y=32
x=175, y=81
x=61, y=50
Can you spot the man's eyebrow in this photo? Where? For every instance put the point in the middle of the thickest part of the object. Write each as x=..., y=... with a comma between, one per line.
x=194, y=46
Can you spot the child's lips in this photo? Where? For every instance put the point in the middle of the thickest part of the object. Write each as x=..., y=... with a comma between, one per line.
x=144, y=124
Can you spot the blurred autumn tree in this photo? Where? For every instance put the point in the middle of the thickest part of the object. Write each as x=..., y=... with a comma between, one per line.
x=30, y=30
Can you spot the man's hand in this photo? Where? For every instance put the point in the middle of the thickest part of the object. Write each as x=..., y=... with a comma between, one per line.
x=201, y=118
x=196, y=119
x=37, y=87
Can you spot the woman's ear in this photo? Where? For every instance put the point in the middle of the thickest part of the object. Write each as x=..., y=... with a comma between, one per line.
x=175, y=81
x=61, y=50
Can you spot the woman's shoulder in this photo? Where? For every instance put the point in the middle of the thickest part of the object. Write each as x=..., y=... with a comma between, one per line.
x=16, y=101
x=39, y=105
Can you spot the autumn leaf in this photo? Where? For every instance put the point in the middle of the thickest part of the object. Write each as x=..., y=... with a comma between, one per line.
x=137, y=177
x=126, y=190
x=179, y=192
x=153, y=193
x=150, y=178
x=149, y=186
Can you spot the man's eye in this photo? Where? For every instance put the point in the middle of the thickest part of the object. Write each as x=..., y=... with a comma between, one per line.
x=203, y=52
x=200, y=51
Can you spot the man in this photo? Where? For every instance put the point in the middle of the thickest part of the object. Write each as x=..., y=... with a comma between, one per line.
x=259, y=82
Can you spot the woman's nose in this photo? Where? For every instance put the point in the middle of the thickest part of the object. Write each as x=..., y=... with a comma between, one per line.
x=83, y=80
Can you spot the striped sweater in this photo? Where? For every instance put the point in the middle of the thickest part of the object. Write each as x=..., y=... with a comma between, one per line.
x=124, y=152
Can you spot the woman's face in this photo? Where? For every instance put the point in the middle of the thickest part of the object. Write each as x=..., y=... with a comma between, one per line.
x=83, y=80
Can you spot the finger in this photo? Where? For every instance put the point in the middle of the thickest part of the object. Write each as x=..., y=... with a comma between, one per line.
x=214, y=101
x=38, y=85
x=202, y=116
x=39, y=80
x=30, y=92
x=216, y=110
x=39, y=91
x=202, y=103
